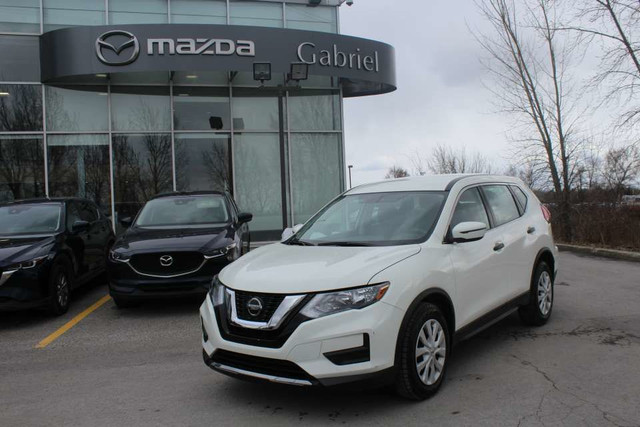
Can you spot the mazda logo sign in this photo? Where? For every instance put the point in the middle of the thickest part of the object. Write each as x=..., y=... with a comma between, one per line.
x=254, y=306
x=166, y=260
x=117, y=41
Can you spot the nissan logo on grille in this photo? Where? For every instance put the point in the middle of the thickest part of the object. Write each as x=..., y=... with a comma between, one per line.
x=119, y=41
x=166, y=260
x=254, y=306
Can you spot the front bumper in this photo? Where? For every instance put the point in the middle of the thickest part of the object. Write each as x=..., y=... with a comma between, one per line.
x=24, y=289
x=353, y=346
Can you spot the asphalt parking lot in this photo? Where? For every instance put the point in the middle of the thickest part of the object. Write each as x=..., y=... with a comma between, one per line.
x=143, y=366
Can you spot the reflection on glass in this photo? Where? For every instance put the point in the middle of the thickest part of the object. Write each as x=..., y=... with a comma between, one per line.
x=79, y=166
x=316, y=176
x=20, y=108
x=21, y=167
x=319, y=18
x=142, y=169
x=77, y=108
x=255, y=110
x=203, y=163
x=201, y=108
x=66, y=13
x=314, y=110
x=258, y=185
x=261, y=14
x=20, y=16
x=199, y=12
x=18, y=53
x=138, y=12
x=139, y=108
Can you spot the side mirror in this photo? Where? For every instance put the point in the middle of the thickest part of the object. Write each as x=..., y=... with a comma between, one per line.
x=79, y=226
x=126, y=221
x=468, y=231
x=244, y=217
x=288, y=232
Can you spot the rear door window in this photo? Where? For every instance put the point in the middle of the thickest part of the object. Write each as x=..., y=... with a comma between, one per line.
x=470, y=208
x=520, y=196
x=502, y=204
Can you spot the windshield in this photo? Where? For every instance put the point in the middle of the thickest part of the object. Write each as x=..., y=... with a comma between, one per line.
x=374, y=219
x=184, y=211
x=43, y=218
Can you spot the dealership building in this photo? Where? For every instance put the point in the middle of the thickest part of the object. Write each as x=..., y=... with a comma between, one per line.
x=119, y=100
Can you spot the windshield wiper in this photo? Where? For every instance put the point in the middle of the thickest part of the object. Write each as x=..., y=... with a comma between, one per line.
x=299, y=242
x=346, y=243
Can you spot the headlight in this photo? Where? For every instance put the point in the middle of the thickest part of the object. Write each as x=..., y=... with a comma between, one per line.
x=350, y=299
x=25, y=265
x=216, y=291
x=117, y=256
x=230, y=251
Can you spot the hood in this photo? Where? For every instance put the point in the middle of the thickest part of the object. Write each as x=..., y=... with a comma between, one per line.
x=290, y=269
x=22, y=248
x=141, y=240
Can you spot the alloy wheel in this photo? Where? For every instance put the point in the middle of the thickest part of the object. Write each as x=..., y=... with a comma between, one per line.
x=62, y=289
x=431, y=351
x=545, y=293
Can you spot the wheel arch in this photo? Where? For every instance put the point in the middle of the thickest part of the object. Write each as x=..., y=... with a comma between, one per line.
x=546, y=255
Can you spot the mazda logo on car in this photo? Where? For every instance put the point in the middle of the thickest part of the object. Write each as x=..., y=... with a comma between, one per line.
x=166, y=260
x=117, y=41
x=254, y=306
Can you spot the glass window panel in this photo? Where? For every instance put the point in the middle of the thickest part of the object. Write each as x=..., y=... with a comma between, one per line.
x=66, y=13
x=316, y=172
x=260, y=14
x=258, y=182
x=255, y=109
x=77, y=108
x=139, y=108
x=501, y=203
x=20, y=58
x=142, y=169
x=138, y=12
x=198, y=12
x=20, y=108
x=469, y=208
x=201, y=78
x=21, y=167
x=246, y=79
x=20, y=16
x=318, y=18
x=314, y=110
x=200, y=108
x=79, y=166
x=203, y=162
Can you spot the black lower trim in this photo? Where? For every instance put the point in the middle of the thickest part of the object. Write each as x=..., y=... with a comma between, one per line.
x=350, y=356
x=490, y=318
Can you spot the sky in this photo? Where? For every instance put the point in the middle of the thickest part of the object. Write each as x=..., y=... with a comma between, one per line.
x=441, y=97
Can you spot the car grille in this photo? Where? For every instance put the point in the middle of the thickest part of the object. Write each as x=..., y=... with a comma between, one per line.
x=270, y=303
x=261, y=365
x=182, y=262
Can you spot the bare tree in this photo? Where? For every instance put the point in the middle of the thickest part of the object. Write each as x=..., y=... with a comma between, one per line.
x=531, y=173
x=614, y=24
x=396, y=172
x=531, y=61
x=445, y=159
x=621, y=168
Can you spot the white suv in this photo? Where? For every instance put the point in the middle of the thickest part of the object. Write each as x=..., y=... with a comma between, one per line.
x=382, y=282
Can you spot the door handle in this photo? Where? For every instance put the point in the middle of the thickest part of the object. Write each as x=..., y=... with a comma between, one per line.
x=498, y=246
x=531, y=230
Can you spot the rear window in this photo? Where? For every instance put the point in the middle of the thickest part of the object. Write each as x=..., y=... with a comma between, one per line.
x=521, y=196
x=501, y=203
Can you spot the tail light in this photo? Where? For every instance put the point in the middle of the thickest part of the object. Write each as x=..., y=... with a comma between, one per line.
x=546, y=213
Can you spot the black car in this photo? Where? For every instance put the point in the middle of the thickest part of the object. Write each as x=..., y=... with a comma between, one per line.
x=175, y=245
x=48, y=247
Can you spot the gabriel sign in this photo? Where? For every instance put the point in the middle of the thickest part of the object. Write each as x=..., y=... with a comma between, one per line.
x=308, y=54
x=124, y=47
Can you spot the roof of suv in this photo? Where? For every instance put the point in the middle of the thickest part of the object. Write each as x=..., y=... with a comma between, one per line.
x=430, y=183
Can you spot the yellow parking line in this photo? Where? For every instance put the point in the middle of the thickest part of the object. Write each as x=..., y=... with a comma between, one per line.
x=71, y=323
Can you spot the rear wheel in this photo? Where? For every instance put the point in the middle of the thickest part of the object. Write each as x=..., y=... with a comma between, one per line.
x=59, y=287
x=538, y=311
x=423, y=351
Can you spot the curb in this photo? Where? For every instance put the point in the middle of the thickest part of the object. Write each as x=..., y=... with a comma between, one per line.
x=601, y=252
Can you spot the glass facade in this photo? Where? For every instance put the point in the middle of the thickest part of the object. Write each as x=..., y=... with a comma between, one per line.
x=121, y=139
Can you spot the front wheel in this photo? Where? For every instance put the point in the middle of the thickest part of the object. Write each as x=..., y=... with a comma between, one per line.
x=538, y=311
x=423, y=351
x=59, y=288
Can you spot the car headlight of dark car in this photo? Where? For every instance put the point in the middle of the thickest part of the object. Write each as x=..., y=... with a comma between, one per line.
x=25, y=265
x=229, y=250
x=118, y=256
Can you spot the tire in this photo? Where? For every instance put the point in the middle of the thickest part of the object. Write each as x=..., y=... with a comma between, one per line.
x=414, y=379
x=60, y=284
x=536, y=313
x=123, y=302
